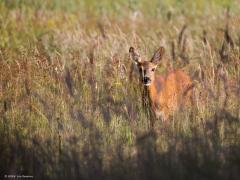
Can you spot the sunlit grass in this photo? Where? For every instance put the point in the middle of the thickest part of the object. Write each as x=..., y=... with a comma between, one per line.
x=69, y=108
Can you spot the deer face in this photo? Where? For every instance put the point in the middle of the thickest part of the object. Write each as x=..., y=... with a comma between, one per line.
x=146, y=68
x=146, y=72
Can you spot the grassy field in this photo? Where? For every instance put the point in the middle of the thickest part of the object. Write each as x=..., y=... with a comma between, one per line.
x=70, y=108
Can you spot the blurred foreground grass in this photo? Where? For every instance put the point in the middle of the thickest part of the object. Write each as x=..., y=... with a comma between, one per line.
x=69, y=109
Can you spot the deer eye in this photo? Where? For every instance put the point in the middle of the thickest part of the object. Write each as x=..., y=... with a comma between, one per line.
x=153, y=69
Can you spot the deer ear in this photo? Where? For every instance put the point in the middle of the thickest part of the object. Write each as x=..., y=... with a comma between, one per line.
x=134, y=56
x=158, y=55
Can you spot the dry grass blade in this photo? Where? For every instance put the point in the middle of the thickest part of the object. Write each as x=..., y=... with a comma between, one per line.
x=69, y=81
x=180, y=36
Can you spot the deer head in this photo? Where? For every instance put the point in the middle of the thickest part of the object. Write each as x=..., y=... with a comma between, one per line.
x=147, y=68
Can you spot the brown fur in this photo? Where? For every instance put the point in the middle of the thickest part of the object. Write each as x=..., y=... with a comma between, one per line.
x=175, y=92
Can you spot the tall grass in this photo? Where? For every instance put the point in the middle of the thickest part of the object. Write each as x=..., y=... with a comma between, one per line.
x=71, y=110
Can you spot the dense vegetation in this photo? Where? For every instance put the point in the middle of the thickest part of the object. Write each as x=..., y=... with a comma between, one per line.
x=70, y=108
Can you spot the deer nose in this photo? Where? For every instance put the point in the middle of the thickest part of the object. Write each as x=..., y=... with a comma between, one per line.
x=146, y=80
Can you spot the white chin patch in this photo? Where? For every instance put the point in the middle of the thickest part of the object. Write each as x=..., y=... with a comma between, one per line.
x=148, y=84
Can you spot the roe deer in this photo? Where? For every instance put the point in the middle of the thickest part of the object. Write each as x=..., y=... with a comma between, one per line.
x=166, y=93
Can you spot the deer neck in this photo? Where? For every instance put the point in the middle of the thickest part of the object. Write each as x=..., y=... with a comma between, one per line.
x=152, y=90
x=156, y=88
